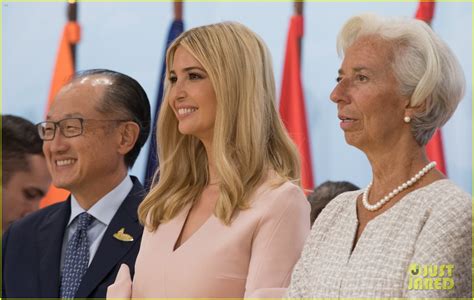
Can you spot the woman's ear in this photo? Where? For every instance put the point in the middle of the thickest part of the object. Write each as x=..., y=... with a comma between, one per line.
x=129, y=132
x=412, y=111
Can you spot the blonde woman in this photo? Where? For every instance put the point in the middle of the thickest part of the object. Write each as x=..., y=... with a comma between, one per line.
x=226, y=218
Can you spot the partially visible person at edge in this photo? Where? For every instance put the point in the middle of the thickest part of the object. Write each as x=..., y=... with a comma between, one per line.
x=25, y=176
x=324, y=193
x=227, y=218
x=92, y=135
x=408, y=234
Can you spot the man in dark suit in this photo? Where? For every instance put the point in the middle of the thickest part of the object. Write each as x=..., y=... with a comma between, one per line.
x=92, y=135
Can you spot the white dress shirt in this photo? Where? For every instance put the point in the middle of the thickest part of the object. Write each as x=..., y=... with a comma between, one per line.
x=103, y=212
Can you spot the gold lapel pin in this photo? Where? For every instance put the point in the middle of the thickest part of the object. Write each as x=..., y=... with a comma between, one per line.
x=122, y=236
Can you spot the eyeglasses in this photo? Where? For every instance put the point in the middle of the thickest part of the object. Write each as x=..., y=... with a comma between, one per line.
x=69, y=127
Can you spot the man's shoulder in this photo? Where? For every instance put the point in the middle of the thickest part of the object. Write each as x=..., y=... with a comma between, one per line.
x=138, y=191
x=134, y=197
x=35, y=219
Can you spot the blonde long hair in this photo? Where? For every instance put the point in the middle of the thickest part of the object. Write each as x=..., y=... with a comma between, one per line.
x=249, y=138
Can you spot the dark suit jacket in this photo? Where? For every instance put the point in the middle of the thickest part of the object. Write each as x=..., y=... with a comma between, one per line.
x=32, y=251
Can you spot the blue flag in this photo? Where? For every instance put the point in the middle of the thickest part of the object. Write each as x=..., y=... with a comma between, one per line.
x=177, y=27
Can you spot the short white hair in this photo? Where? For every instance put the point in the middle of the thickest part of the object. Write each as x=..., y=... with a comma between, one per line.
x=425, y=67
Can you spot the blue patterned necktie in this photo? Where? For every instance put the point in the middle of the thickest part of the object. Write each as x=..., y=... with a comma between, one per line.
x=76, y=259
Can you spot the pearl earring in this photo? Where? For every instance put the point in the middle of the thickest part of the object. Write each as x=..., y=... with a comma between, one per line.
x=407, y=119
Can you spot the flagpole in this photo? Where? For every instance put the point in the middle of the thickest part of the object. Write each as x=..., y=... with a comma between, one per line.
x=434, y=148
x=298, y=11
x=299, y=7
x=72, y=17
x=176, y=28
x=64, y=68
x=292, y=105
x=178, y=10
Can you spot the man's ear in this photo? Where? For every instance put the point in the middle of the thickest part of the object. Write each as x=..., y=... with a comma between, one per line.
x=129, y=132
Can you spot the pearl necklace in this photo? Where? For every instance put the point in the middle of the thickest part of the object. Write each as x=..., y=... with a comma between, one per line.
x=396, y=191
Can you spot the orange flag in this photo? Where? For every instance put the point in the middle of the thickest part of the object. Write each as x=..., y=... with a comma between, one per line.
x=434, y=148
x=63, y=71
x=64, y=67
x=292, y=106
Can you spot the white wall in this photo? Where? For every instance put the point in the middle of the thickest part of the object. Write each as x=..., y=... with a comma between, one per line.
x=129, y=37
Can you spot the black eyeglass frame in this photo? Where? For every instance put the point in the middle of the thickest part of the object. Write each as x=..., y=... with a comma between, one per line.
x=40, y=126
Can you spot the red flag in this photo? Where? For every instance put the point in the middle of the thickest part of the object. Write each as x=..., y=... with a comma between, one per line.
x=292, y=107
x=434, y=148
x=63, y=71
x=425, y=11
x=435, y=152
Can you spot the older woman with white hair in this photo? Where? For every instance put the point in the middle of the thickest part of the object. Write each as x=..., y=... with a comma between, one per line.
x=408, y=234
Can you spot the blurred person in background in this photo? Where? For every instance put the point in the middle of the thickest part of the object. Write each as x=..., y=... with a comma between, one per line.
x=324, y=193
x=25, y=176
